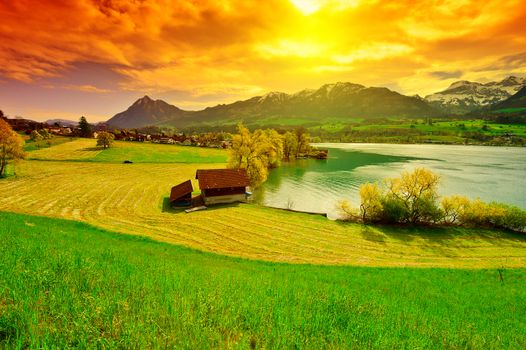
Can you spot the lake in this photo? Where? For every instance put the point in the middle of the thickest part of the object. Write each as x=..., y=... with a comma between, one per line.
x=489, y=173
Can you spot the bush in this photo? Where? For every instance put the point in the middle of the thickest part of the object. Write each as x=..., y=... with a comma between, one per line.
x=394, y=210
x=481, y=214
x=460, y=210
x=347, y=211
x=453, y=208
x=427, y=209
x=515, y=219
x=412, y=198
x=35, y=136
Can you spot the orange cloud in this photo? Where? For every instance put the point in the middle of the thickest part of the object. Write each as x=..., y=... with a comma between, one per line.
x=240, y=48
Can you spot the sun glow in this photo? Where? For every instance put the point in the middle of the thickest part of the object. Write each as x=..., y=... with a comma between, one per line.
x=307, y=7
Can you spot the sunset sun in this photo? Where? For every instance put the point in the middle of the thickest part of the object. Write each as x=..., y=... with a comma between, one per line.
x=307, y=7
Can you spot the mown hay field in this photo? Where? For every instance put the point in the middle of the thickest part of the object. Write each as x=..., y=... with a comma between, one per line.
x=132, y=198
x=86, y=150
x=66, y=284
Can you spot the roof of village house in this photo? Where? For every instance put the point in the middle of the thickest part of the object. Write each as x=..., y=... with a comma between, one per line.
x=180, y=190
x=222, y=178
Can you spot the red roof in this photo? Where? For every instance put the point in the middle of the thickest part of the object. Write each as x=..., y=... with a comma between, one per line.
x=180, y=190
x=222, y=178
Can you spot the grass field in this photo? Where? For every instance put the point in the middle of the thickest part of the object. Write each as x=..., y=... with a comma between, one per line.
x=37, y=145
x=418, y=131
x=67, y=284
x=132, y=198
x=86, y=150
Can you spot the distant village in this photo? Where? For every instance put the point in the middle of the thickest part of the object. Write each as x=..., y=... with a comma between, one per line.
x=149, y=134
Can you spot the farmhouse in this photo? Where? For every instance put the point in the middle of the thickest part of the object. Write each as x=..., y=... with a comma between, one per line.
x=222, y=185
x=181, y=194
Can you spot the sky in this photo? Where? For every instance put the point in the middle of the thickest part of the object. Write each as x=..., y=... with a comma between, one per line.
x=65, y=59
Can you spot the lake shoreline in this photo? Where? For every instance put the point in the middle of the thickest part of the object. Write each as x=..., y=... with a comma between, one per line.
x=316, y=186
x=422, y=143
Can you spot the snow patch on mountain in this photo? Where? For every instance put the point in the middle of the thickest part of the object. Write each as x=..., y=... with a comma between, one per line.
x=463, y=96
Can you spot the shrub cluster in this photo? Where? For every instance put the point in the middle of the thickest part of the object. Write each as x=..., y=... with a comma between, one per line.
x=412, y=198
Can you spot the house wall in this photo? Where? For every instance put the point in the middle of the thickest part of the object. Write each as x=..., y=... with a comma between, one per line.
x=232, y=198
x=224, y=191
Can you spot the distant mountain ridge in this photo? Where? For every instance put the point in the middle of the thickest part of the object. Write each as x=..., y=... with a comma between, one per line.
x=465, y=96
x=340, y=100
x=517, y=101
x=146, y=111
x=62, y=122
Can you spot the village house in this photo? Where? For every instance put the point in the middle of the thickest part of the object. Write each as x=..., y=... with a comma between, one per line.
x=223, y=185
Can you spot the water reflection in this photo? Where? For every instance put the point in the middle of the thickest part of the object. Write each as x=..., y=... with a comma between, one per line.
x=491, y=173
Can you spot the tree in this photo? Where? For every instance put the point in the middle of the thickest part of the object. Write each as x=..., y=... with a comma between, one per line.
x=303, y=141
x=256, y=152
x=370, y=202
x=290, y=145
x=35, y=136
x=85, y=128
x=45, y=134
x=105, y=139
x=417, y=193
x=275, y=148
x=11, y=146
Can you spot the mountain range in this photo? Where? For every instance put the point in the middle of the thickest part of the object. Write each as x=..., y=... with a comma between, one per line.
x=63, y=122
x=335, y=101
x=340, y=101
x=465, y=96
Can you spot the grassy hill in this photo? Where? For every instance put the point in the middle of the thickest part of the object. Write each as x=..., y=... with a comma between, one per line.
x=68, y=284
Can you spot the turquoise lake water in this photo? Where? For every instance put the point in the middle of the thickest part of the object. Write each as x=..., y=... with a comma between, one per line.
x=490, y=173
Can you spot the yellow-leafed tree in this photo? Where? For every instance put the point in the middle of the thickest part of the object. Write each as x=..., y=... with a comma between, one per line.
x=11, y=146
x=413, y=195
x=370, y=202
x=105, y=139
x=256, y=152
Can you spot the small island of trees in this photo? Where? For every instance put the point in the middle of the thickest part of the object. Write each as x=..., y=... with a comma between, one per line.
x=262, y=150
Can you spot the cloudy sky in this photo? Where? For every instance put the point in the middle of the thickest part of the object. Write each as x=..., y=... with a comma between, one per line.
x=64, y=59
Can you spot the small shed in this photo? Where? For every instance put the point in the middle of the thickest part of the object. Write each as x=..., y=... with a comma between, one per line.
x=223, y=185
x=181, y=195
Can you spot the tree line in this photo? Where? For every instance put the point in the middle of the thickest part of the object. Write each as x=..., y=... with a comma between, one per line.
x=413, y=198
x=262, y=150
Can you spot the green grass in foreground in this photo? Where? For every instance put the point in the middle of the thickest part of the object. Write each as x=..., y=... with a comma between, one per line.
x=68, y=284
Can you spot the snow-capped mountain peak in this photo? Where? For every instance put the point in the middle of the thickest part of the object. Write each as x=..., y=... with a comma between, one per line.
x=463, y=96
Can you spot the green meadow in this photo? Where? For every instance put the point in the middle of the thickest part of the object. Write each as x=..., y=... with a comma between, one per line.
x=85, y=150
x=125, y=271
x=419, y=131
x=68, y=284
